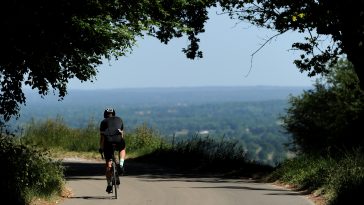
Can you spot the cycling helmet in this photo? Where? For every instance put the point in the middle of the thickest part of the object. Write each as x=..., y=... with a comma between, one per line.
x=107, y=111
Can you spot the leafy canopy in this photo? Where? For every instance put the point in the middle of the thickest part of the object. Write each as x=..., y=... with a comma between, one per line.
x=44, y=44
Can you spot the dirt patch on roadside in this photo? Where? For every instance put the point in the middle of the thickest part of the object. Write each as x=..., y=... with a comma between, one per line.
x=317, y=199
x=66, y=193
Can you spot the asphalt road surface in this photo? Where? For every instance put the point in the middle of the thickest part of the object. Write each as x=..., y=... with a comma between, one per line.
x=145, y=184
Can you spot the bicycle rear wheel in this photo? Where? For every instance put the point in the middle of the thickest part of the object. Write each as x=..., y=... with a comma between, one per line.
x=114, y=179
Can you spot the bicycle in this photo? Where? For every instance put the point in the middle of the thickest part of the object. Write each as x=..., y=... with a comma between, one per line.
x=115, y=179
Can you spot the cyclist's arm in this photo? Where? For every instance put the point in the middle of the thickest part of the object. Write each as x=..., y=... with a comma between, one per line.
x=121, y=132
x=102, y=136
x=101, y=141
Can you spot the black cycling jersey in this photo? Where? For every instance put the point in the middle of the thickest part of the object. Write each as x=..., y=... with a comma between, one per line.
x=109, y=127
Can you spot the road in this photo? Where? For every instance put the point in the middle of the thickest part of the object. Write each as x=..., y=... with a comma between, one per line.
x=150, y=185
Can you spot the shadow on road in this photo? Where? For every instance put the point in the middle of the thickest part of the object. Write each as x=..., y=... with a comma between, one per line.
x=92, y=197
x=81, y=170
x=148, y=172
x=76, y=169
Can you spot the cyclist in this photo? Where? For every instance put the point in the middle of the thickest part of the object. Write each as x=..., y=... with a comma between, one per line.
x=112, y=132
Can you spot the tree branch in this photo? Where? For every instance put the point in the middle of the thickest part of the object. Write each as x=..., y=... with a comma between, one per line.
x=256, y=51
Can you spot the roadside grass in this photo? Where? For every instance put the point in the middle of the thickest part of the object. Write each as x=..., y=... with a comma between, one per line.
x=56, y=135
x=207, y=155
x=338, y=180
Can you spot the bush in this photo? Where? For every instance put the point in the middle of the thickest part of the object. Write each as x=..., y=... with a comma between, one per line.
x=27, y=172
x=327, y=118
x=143, y=140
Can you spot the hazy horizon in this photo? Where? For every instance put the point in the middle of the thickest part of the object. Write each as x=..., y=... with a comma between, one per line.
x=156, y=95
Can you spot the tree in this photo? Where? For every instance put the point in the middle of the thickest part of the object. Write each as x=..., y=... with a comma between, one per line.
x=327, y=118
x=44, y=44
x=342, y=20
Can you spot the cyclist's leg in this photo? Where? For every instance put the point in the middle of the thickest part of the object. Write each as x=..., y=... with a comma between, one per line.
x=122, y=153
x=122, y=156
x=108, y=175
x=108, y=162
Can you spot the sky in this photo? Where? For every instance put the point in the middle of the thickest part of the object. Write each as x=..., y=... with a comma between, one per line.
x=227, y=47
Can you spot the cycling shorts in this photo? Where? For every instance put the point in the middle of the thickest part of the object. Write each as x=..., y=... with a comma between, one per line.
x=108, y=148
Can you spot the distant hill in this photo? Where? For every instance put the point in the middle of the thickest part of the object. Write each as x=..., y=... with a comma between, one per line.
x=162, y=96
